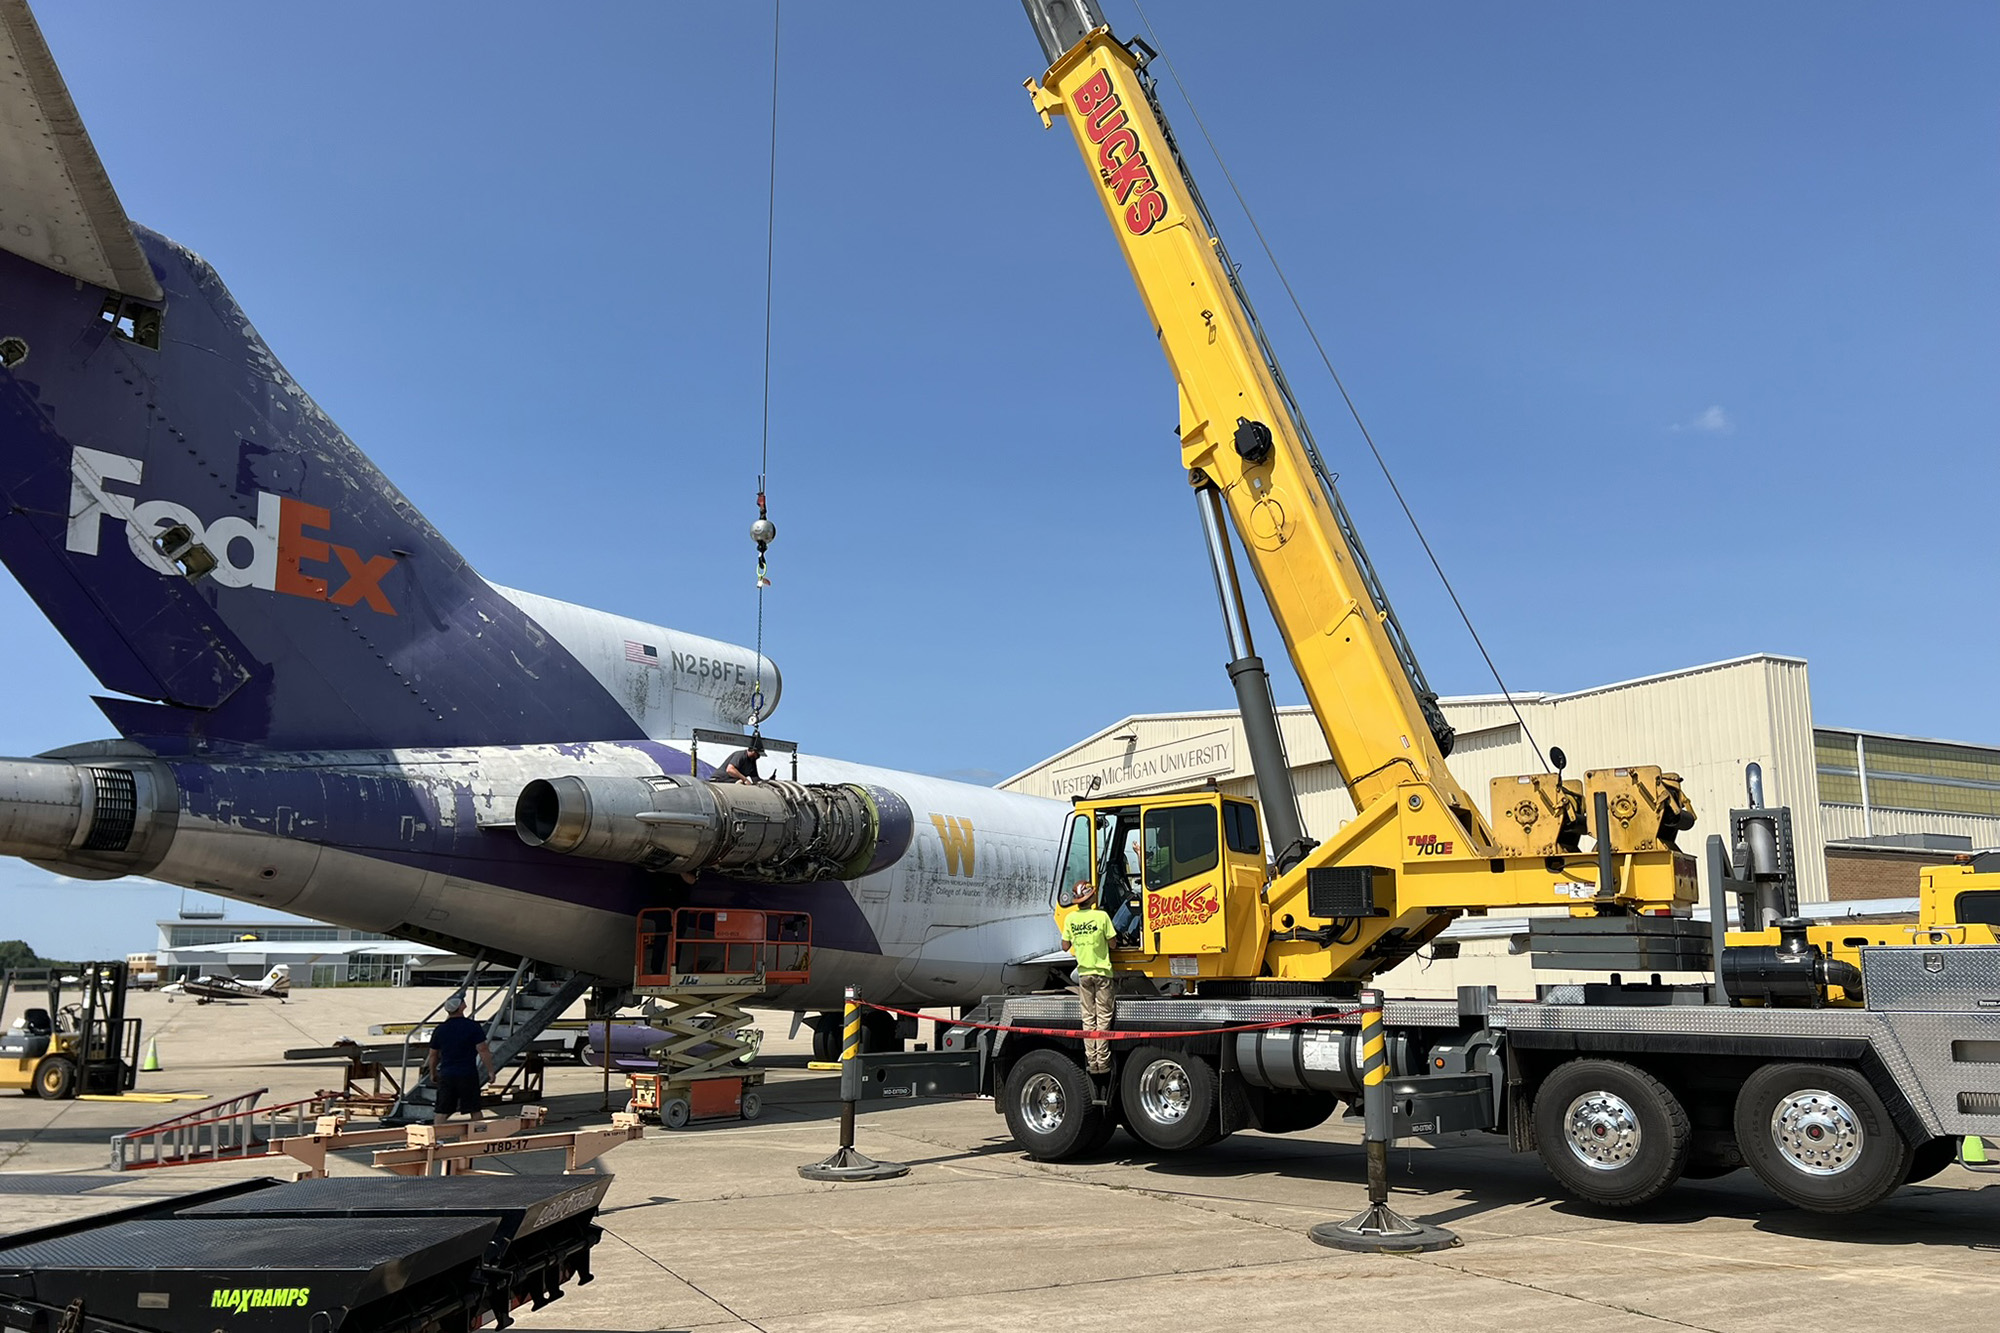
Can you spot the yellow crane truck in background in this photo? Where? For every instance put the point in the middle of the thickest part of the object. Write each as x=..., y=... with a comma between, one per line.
x=1836, y=1079
x=1960, y=903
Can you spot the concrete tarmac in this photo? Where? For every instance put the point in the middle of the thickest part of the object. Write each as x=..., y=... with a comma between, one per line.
x=711, y=1228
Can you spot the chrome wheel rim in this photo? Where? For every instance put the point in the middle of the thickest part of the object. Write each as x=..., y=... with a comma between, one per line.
x=1043, y=1104
x=1602, y=1131
x=1165, y=1092
x=1816, y=1132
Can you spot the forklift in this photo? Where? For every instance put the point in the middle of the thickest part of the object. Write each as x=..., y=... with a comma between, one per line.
x=67, y=1050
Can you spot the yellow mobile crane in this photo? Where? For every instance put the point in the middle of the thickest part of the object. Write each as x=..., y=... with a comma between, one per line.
x=1418, y=852
x=1236, y=1011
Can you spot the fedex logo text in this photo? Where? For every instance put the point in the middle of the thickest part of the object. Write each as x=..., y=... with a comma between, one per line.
x=270, y=553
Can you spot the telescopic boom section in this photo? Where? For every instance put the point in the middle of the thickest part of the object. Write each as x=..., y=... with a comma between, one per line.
x=1239, y=430
x=1417, y=852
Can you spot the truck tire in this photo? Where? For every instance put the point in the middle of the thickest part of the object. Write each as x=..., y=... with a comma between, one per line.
x=1168, y=1099
x=1820, y=1137
x=1612, y=1134
x=55, y=1078
x=1049, y=1107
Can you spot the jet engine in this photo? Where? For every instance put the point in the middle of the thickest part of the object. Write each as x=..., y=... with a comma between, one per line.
x=94, y=820
x=775, y=832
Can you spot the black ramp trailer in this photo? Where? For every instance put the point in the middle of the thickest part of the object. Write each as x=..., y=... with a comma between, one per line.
x=350, y=1255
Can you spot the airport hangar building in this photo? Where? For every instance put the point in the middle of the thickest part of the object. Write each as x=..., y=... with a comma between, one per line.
x=207, y=943
x=1868, y=808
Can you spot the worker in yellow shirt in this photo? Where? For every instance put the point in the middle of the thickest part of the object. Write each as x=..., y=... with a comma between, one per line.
x=1087, y=934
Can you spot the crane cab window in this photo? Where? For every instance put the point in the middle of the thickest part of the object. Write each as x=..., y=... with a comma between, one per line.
x=1979, y=908
x=1103, y=847
x=1239, y=828
x=1078, y=861
x=1180, y=842
x=1118, y=863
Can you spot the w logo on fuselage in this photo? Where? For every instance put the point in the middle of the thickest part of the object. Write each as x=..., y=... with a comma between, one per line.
x=277, y=542
x=956, y=835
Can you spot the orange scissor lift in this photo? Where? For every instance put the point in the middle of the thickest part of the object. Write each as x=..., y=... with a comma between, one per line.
x=698, y=966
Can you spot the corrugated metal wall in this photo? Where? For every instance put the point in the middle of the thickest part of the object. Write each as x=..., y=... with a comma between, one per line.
x=1705, y=723
x=1842, y=822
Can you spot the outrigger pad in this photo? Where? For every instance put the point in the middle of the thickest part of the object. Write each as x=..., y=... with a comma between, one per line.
x=1383, y=1230
x=847, y=1164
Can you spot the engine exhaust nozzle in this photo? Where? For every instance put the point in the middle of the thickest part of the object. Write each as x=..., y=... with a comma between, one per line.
x=87, y=820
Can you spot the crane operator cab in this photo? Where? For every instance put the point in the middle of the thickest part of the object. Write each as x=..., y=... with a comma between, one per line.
x=1182, y=876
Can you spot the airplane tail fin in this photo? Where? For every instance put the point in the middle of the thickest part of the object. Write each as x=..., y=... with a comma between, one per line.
x=278, y=980
x=64, y=214
x=218, y=551
x=194, y=525
x=210, y=543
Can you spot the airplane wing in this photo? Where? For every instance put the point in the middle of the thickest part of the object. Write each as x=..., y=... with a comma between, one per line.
x=56, y=200
x=318, y=950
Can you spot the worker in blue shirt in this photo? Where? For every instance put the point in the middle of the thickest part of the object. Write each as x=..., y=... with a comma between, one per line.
x=458, y=1053
x=741, y=765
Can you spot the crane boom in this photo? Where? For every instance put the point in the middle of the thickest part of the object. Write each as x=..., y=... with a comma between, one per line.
x=1241, y=433
x=1418, y=852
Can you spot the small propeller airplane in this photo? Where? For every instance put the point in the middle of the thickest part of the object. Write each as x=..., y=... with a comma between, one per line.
x=273, y=985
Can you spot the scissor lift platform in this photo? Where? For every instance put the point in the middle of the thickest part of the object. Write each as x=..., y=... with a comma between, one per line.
x=367, y=1255
x=703, y=965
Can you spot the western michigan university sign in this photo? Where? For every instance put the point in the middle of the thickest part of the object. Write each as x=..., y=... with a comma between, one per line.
x=1172, y=763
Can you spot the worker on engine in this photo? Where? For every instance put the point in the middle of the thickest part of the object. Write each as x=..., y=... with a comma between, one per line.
x=1086, y=933
x=742, y=765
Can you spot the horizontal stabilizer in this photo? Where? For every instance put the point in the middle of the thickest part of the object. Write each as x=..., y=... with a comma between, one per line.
x=57, y=206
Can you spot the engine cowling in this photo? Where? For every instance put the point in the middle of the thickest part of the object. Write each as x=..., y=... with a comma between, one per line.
x=87, y=819
x=776, y=832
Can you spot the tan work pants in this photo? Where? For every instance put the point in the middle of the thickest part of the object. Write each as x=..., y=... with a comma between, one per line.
x=1100, y=1011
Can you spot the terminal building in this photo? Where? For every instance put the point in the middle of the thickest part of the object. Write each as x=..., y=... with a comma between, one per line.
x=1868, y=808
x=206, y=944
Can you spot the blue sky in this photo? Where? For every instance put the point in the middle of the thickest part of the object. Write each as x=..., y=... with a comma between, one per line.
x=1677, y=322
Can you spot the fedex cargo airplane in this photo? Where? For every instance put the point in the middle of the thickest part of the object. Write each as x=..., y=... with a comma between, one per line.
x=320, y=706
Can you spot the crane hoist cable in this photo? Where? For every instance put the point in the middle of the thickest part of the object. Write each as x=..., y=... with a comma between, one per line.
x=1334, y=375
x=764, y=531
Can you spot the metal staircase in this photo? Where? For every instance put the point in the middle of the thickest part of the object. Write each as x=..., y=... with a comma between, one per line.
x=515, y=1014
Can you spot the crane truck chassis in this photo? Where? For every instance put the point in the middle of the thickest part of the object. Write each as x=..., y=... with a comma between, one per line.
x=1622, y=1087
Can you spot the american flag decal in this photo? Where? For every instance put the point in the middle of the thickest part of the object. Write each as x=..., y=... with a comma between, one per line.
x=644, y=653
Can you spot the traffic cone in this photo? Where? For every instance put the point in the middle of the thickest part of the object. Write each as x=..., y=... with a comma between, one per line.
x=1973, y=1151
x=151, y=1064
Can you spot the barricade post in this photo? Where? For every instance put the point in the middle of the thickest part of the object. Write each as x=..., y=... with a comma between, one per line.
x=846, y=1163
x=1379, y=1229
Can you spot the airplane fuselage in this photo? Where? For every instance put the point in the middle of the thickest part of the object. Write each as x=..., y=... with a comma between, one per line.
x=421, y=844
